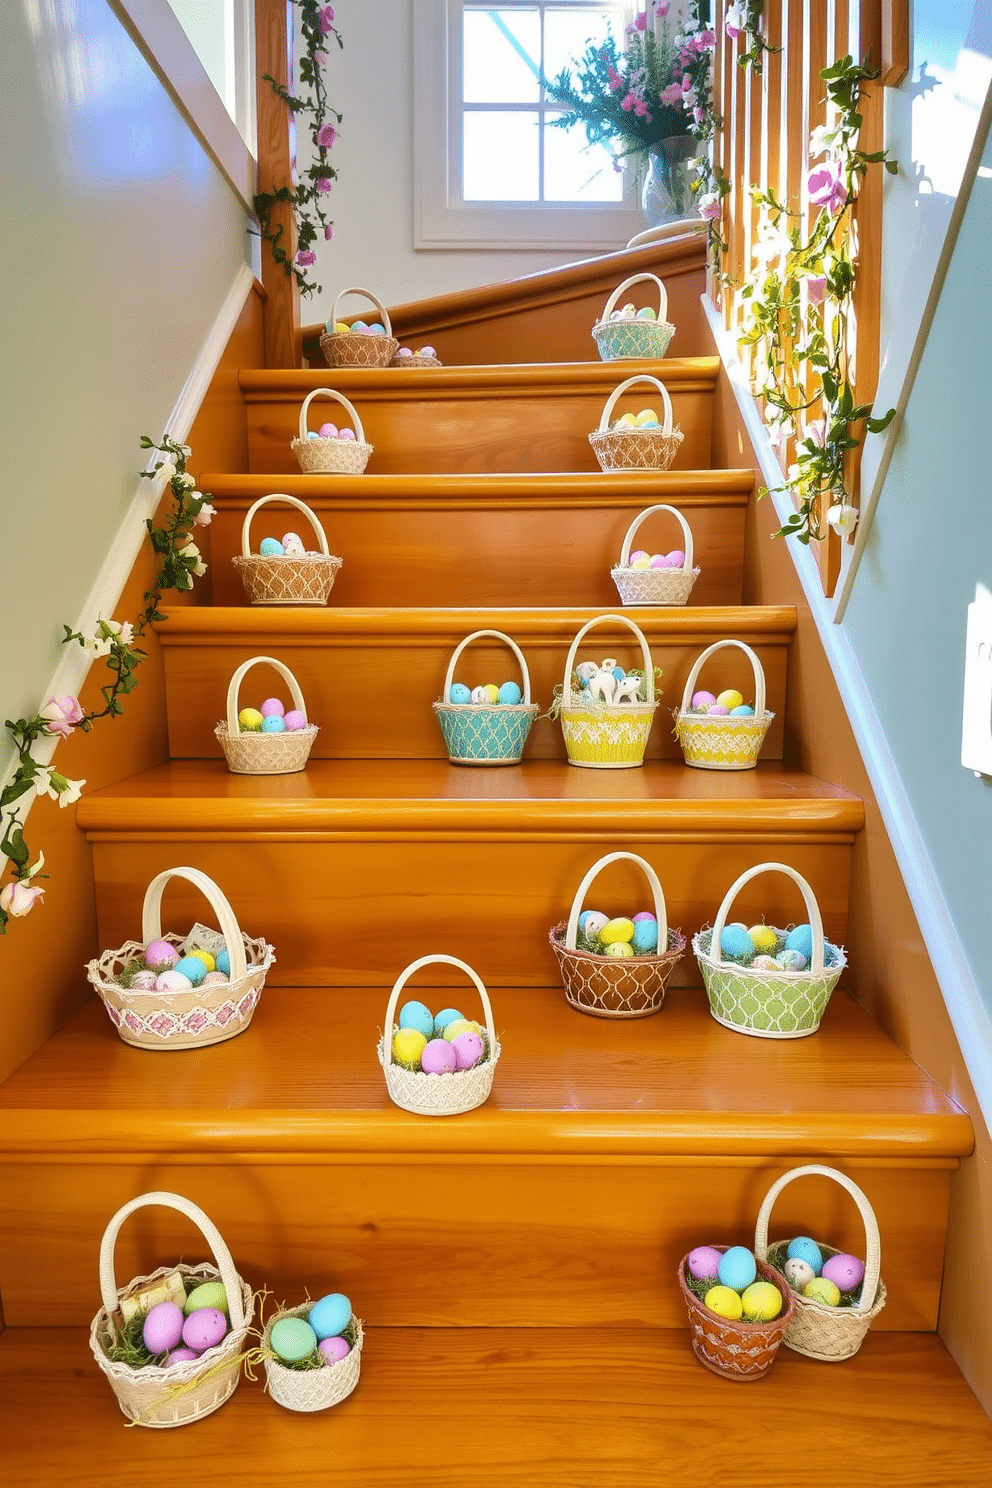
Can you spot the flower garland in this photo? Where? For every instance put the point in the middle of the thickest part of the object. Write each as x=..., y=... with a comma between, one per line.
x=744, y=19
x=114, y=640
x=317, y=24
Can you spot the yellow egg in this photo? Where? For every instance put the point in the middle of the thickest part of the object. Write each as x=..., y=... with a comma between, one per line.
x=408, y=1045
x=761, y=1302
x=822, y=1289
x=764, y=936
x=250, y=719
x=626, y=421
x=726, y=1303
x=646, y=415
x=492, y=692
x=341, y=326
x=206, y=958
x=460, y=1025
x=619, y=929
x=730, y=699
x=619, y=948
x=641, y=563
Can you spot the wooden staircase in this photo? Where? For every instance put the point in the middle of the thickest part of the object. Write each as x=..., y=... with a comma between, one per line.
x=515, y=1267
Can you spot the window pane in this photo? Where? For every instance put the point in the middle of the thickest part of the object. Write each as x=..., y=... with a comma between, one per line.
x=575, y=172
x=502, y=56
x=500, y=156
x=567, y=33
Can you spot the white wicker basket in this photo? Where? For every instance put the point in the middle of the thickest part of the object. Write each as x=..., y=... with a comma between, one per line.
x=251, y=753
x=617, y=340
x=600, y=735
x=655, y=586
x=634, y=448
x=331, y=456
x=312, y=1389
x=438, y=1095
x=356, y=348
x=723, y=743
x=286, y=578
x=486, y=733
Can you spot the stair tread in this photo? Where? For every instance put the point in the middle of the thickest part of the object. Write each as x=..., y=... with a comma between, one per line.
x=586, y=488
x=500, y=1407
x=282, y=384
x=676, y=1083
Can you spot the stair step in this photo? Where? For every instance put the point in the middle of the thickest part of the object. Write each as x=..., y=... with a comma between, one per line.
x=632, y=1140
x=532, y=417
x=487, y=540
x=485, y=861
x=370, y=676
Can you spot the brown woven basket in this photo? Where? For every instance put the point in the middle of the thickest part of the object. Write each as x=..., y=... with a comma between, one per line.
x=285, y=578
x=619, y=340
x=655, y=586
x=636, y=449
x=438, y=1095
x=740, y=1350
x=264, y=754
x=720, y=743
x=312, y=1389
x=816, y=1330
x=331, y=456
x=423, y=362
x=154, y=1396
x=616, y=986
x=357, y=348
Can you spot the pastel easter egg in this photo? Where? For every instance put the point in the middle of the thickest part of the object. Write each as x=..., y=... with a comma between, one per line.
x=618, y=948
x=274, y=724
x=292, y=1339
x=468, y=1049
x=646, y=314
x=676, y=558
x=460, y=1025
x=272, y=706
x=743, y=710
x=761, y=1302
x=591, y=923
x=214, y=978
x=492, y=692
x=822, y=1290
x=801, y=939
x=638, y=553
x=648, y=423
x=737, y=944
x=160, y=953
x=439, y=1058
x=333, y=1350
x=204, y=1328
x=270, y=547
x=644, y=914
x=173, y=981
x=427, y=351
x=845, y=1271
x=641, y=563
x=647, y=416
x=628, y=312
x=208, y=961
x=617, y=930
x=224, y=961
x=181, y=1355
x=645, y=939
x=342, y=327
x=798, y=1273
x=737, y=1268
x=359, y=325
x=446, y=1016
x=763, y=938
x=192, y=968
x=717, y=710
x=292, y=545
x=404, y=351
x=510, y=693
x=659, y=560
x=699, y=698
x=162, y=1328
x=807, y=1250
x=295, y=720
x=330, y=1316
x=460, y=693
x=377, y=328
x=312, y=434
x=725, y=1302
x=703, y=1262
x=626, y=421
x=479, y=695
x=346, y=434
x=250, y=719
x=408, y=1045
x=618, y=673
x=143, y=981
x=328, y=431
x=792, y=960
x=731, y=698
x=417, y=1015
x=766, y=963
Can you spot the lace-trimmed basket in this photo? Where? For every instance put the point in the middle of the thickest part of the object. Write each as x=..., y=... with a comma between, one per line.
x=607, y=736
x=763, y=1003
x=438, y=1095
x=636, y=449
x=655, y=586
x=312, y=1389
x=357, y=348
x=736, y=1350
x=619, y=339
x=193, y=1017
x=251, y=753
x=485, y=733
x=286, y=578
x=186, y=1392
x=331, y=456
x=816, y=1330
x=723, y=743
x=616, y=986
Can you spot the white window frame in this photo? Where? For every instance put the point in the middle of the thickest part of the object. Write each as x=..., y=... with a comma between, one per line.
x=441, y=219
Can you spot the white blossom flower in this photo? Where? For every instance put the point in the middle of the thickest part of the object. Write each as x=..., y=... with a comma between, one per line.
x=166, y=470
x=820, y=140
x=186, y=451
x=186, y=481
x=17, y=898
x=779, y=430
x=843, y=517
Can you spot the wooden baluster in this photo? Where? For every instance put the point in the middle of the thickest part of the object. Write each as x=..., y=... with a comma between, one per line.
x=276, y=168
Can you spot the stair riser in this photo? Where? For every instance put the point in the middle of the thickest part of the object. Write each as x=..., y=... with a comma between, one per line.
x=444, y=1243
x=353, y=911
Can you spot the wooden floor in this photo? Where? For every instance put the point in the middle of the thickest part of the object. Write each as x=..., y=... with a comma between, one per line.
x=518, y=1408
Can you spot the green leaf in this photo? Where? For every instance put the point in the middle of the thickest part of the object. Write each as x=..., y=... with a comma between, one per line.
x=15, y=847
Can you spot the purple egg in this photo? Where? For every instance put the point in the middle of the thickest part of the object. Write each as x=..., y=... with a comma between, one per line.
x=272, y=708
x=699, y=698
x=333, y=1350
x=717, y=710
x=468, y=1049
x=438, y=1058
x=427, y=351
x=404, y=351
x=204, y=1328
x=346, y=434
x=160, y=954
x=328, y=431
x=676, y=558
x=845, y=1271
x=213, y=977
x=163, y=1327
x=143, y=981
x=295, y=720
x=704, y=1262
x=179, y=1356
x=660, y=560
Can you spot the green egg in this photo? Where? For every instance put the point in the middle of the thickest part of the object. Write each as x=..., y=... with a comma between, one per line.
x=292, y=1339
x=207, y=1294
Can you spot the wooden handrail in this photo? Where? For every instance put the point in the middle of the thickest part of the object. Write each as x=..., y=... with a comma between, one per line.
x=276, y=163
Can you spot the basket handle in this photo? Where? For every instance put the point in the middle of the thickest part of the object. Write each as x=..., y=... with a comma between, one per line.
x=611, y=303
x=873, y=1244
x=611, y=402
x=475, y=636
x=443, y=960
x=207, y=1228
x=635, y=524
x=349, y=408
x=809, y=898
x=703, y=657
x=383, y=312
x=619, y=620
x=151, y=913
x=234, y=688
x=660, y=911
x=290, y=501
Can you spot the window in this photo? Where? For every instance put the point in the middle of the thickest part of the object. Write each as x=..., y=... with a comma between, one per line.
x=490, y=167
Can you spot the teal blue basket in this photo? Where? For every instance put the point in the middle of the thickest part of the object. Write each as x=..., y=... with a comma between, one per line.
x=486, y=733
x=622, y=340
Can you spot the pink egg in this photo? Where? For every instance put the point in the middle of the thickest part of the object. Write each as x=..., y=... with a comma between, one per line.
x=427, y=351
x=162, y=1328
x=212, y=978
x=645, y=914
x=468, y=1049
x=638, y=553
x=676, y=558
x=438, y=1058
x=698, y=698
x=204, y=1328
x=143, y=981
x=160, y=953
x=717, y=710
x=404, y=351
x=295, y=720
x=845, y=1271
x=179, y=1356
x=332, y=1350
x=660, y=560
x=272, y=708
x=346, y=434
x=328, y=431
x=172, y=981
x=703, y=1262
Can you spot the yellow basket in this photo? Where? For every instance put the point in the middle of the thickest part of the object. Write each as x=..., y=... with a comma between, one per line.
x=606, y=735
x=723, y=743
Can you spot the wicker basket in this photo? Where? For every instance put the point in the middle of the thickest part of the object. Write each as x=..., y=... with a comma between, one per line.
x=251, y=753
x=607, y=736
x=769, y=1004
x=621, y=339
x=481, y=733
x=285, y=578
x=655, y=586
x=312, y=1389
x=816, y=1330
x=331, y=456
x=438, y=1095
x=195, y=1016
x=737, y=1350
x=357, y=348
x=636, y=449
x=615, y=986
x=187, y=1392
x=723, y=743
x=422, y=363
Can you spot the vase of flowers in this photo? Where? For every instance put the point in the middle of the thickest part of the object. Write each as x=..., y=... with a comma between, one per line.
x=666, y=195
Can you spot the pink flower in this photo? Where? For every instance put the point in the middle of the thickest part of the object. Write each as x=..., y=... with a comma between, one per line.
x=616, y=81
x=709, y=206
x=205, y=515
x=698, y=115
x=639, y=23
x=329, y=231
x=663, y=9
x=324, y=184
x=686, y=83
x=641, y=110
x=326, y=135
x=61, y=713
x=325, y=19
x=816, y=288
x=706, y=41
x=734, y=22
x=816, y=432
x=826, y=186
x=628, y=103
x=17, y=899
x=306, y=257
x=671, y=95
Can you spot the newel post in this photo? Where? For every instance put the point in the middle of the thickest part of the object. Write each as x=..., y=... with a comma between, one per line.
x=276, y=163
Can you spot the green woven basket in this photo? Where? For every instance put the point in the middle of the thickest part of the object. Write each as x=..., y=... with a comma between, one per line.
x=618, y=340
x=481, y=733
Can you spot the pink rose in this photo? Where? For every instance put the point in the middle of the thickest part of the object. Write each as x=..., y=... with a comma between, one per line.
x=826, y=186
x=306, y=257
x=816, y=288
x=325, y=19
x=329, y=231
x=326, y=135
x=663, y=9
x=671, y=95
x=709, y=206
x=61, y=714
x=205, y=515
x=323, y=184
x=628, y=103
x=17, y=899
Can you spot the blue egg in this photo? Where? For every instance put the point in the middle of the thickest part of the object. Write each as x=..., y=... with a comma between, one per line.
x=737, y=1268
x=510, y=693
x=271, y=547
x=737, y=944
x=645, y=939
x=801, y=939
x=417, y=1015
x=743, y=710
x=805, y=1249
x=330, y=1316
x=193, y=968
x=449, y=1015
x=619, y=673
x=273, y=724
x=313, y=435
x=460, y=693
x=223, y=959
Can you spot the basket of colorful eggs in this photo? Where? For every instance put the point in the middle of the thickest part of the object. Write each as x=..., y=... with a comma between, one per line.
x=644, y=578
x=331, y=451
x=438, y=1065
x=486, y=725
x=171, y=1344
x=283, y=572
x=313, y=1354
x=767, y=982
x=425, y=357
x=739, y=1309
x=629, y=332
x=636, y=441
x=837, y=1295
x=721, y=731
x=182, y=991
x=270, y=740
x=359, y=344
x=611, y=966
x=606, y=712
